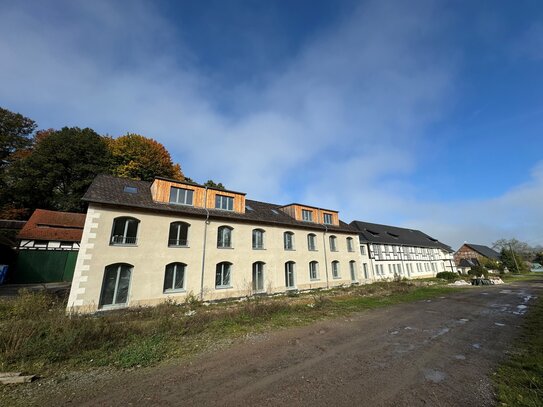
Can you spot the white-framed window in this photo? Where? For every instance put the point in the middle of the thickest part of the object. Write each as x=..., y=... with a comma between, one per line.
x=313, y=270
x=335, y=269
x=390, y=269
x=258, y=277
x=223, y=275
x=307, y=215
x=363, y=250
x=115, y=285
x=125, y=231
x=327, y=218
x=174, y=277
x=224, y=237
x=311, y=242
x=224, y=202
x=350, y=247
x=178, y=236
x=365, y=267
x=352, y=269
x=258, y=239
x=333, y=243
x=290, y=281
x=288, y=240
x=181, y=196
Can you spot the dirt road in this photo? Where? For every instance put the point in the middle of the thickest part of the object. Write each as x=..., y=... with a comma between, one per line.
x=437, y=352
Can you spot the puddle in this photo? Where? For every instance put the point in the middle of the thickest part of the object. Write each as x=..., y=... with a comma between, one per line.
x=395, y=332
x=521, y=310
x=408, y=328
x=434, y=376
x=463, y=320
x=484, y=293
x=460, y=357
x=505, y=292
x=476, y=345
x=442, y=331
x=499, y=324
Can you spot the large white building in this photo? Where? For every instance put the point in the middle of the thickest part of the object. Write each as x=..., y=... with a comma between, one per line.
x=146, y=242
x=397, y=253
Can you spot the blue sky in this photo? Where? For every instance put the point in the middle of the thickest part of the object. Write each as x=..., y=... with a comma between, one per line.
x=425, y=114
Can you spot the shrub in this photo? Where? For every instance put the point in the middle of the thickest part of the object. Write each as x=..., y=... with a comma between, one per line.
x=478, y=271
x=448, y=275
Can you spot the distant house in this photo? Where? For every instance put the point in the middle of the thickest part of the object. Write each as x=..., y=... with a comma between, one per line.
x=397, y=252
x=48, y=247
x=536, y=268
x=470, y=255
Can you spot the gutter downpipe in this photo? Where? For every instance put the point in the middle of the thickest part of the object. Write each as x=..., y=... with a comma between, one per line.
x=204, y=248
x=325, y=258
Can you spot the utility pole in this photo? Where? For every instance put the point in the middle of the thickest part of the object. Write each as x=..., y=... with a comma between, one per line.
x=514, y=258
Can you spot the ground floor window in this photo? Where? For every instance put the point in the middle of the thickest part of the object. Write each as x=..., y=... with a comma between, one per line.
x=313, y=270
x=222, y=275
x=335, y=269
x=352, y=268
x=174, y=278
x=258, y=277
x=115, y=285
x=289, y=275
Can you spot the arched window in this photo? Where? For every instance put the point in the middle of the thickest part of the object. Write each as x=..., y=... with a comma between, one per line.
x=174, y=278
x=125, y=231
x=222, y=275
x=313, y=270
x=115, y=285
x=178, y=234
x=288, y=240
x=350, y=247
x=290, y=281
x=352, y=269
x=258, y=277
x=311, y=242
x=224, y=237
x=335, y=269
x=333, y=243
x=258, y=239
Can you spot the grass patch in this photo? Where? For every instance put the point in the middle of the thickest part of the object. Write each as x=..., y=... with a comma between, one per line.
x=509, y=277
x=520, y=378
x=37, y=337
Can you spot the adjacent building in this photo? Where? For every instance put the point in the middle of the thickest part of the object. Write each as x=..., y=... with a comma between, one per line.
x=397, y=253
x=146, y=242
x=47, y=247
x=470, y=255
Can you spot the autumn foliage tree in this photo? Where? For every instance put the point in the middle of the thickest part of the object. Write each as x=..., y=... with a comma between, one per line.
x=142, y=158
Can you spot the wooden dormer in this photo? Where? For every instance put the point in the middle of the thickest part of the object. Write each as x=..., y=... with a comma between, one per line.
x=185, y=193
x=311, y=214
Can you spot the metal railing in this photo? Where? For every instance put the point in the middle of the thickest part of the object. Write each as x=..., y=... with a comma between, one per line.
x=121, y=240
x=177, y=242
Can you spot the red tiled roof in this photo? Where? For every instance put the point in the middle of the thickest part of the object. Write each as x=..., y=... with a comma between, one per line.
x=52, y=225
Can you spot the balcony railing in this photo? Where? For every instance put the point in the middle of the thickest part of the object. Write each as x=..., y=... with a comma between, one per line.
x=177, y=242
x=123, y=240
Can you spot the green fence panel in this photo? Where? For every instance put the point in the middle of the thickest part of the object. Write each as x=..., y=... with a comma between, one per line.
x=44, y=266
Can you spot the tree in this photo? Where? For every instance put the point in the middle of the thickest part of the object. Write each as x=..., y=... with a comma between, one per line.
x=513, y=261
x=211, y=184
x=58, y=170
x=142, y=158
x=522, y=249
x=15, y=132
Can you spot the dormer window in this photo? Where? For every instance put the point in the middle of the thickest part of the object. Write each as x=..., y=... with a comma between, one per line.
x=224, y=202
x=181, y=196
x=307, y=216
x=327, y=218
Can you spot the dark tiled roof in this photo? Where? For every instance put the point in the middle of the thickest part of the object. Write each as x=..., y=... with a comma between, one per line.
x=52, y=225
x=8, y=224
x=468, y=263
x=384, y=234
x=109, y=190
x=485, y=251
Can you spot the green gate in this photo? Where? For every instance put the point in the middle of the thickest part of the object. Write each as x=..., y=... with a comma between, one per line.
x=44, y=266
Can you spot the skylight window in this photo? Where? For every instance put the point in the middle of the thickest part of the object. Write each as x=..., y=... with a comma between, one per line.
x=372, y=232
x=249, y=208
x=274, y=211
x=130, y=190
x=393, y=235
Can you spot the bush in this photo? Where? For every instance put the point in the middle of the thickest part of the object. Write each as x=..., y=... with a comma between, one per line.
x=478, y=271
x=448, y=275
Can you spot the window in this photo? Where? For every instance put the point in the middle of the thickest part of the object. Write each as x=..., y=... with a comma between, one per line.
x=313, y=270
x=130, y=190
x=289, y=275
x=307, y=215
x=174, y=278
x=222, y=275
x=363, y=250
x=311, y=242
x=258, y=239
x=352, y=269
x=327, y=218
x=333, y=244
x=288, y=240
x=224, y=237
x=224, y=202
x=350, y=247
x=178, y=234
x=115, y=285
x=181, y=196
x=124, y=231
x=365, y=266
x=335, y=269
x=258, y=277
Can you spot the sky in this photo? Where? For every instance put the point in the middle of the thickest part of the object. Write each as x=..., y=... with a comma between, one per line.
x=421, y=114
